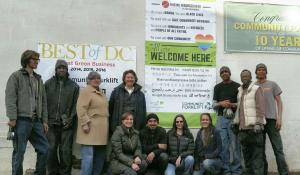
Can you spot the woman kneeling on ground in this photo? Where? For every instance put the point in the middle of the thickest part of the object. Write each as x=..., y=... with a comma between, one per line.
x=208, y=148
x=126, y=149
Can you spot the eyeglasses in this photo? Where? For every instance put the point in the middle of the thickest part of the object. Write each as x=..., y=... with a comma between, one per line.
x=98, y=78
x=179, y=121
x=36, y=59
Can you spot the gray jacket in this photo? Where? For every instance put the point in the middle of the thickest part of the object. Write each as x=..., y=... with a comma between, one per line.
x=17, y=96
x=61, y=101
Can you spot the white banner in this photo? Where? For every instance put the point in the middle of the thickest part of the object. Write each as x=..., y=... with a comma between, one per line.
x=180, y=89
x=181, y=21
x=180, y=58
x=109, y=61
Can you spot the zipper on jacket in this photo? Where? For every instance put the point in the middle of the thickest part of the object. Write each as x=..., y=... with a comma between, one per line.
x=178, y=145
x=58, y=103
x=130, y=142
x=30, y=93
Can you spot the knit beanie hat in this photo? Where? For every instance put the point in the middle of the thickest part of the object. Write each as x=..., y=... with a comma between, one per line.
x=261, y=65
x=61, y=63
x=225, y=68
x=154, y=116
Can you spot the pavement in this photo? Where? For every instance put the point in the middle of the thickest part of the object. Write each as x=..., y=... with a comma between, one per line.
x=30, y=159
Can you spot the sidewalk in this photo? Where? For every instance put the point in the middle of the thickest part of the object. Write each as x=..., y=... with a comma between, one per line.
x=30, y=158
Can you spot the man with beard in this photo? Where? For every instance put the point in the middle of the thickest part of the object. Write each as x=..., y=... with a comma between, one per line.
x=225, y=98
x=62, y=94
x=154, y=144
x=250, y=118
x=273, y=109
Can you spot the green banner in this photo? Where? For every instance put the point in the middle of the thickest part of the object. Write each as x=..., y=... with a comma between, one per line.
x=185, y=54
x=261, y=28
x=193, y=119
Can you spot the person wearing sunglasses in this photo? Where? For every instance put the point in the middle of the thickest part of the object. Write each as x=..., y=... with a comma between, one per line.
x=180, y=147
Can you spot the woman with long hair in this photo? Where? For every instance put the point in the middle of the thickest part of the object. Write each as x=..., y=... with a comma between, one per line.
x=180, y=148
x=208, y=147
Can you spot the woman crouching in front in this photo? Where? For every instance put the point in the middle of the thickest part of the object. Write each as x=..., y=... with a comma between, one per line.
x=126, y=149
x=208, y=148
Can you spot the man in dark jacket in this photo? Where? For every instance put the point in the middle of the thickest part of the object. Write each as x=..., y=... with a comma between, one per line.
x=26, y=108
x=154, y=144
x=62, y=94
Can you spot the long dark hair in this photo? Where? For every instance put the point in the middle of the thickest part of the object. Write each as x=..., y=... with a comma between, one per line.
x=205, y=133
x=185, y=128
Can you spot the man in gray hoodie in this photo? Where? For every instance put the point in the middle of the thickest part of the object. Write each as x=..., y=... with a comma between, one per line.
x=26, y=108
x=62, y=94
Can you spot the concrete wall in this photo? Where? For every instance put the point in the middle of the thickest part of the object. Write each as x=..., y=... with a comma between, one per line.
x=116, y=22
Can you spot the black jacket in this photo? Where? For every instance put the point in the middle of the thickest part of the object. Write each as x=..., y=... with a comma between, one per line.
x=116, y=102
x=61, y=100
x=179, y=146
x=151, y=138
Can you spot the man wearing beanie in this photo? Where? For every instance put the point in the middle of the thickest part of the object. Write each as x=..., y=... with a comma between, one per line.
x=154, y=144
x=62, y=94
x=273, y=103
x=225, y=99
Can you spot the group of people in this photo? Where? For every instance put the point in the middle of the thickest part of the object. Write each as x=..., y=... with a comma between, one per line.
x=118, y=136
x=245, y=115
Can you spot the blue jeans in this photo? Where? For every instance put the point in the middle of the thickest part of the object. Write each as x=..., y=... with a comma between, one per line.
x=93, y=158
x=209, y=166
x=187, y=170
x=231, y=149
x=32, y=131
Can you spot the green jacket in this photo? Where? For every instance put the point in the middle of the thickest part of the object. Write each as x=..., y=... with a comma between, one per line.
x=17, y=96
x=126, y=146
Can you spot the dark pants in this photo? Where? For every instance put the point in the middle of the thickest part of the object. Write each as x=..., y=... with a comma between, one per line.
x=252, y=148
x=32, y=130
x=60, y=150
x=159, y=164
x=275, y=139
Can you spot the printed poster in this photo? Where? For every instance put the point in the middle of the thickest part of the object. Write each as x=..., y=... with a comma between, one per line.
x=180, y=61
x=109, y=61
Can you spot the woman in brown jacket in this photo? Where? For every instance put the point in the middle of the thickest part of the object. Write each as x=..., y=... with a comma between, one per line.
x=92, y=131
